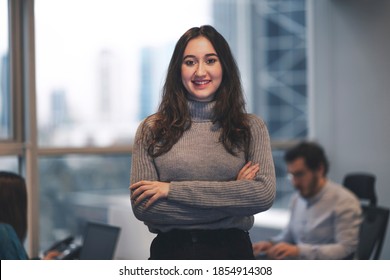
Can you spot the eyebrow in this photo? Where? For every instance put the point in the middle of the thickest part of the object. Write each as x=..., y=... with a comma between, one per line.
x=193, y=56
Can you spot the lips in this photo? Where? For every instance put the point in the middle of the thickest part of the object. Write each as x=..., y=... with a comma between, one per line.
x=201, y=82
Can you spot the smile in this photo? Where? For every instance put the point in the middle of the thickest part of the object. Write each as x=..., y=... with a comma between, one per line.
x=201, y=82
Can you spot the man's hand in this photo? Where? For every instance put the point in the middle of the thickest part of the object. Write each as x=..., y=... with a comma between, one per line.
x=261, y=247
x=283, y=250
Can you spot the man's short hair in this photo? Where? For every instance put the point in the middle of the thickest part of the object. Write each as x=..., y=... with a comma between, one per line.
x=312, y=153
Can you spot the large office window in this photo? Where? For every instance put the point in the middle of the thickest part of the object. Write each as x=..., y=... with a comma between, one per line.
x=280, y=76
x=100, y=73
x=8, y=161
x=5, y=96
x=97, y=75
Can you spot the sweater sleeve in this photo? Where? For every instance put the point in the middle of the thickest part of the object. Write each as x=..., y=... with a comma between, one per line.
x=237, y=197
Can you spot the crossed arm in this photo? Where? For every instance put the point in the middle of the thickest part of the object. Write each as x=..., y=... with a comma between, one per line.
x=251, y=191
x=155, y=190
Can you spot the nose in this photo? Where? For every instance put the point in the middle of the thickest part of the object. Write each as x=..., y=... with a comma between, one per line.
x=200, y=71
x=293, y=179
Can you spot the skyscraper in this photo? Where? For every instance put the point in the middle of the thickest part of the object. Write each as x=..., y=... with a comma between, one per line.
x=277, y=79
x=146, y=90
x=268, y=38
x=59, y=108
x=154, y=65
x=105, y=84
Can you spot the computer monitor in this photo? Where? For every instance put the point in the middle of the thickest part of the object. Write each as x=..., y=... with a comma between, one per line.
x=99, y=241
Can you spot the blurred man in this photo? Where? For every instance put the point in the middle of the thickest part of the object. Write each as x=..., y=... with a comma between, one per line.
x=325, y=216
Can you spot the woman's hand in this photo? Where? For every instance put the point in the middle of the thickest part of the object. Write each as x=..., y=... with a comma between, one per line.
x=152, y=190
x=248, y=172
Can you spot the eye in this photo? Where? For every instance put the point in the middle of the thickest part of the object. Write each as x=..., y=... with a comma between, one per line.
x=189, y=62
x=211, y=60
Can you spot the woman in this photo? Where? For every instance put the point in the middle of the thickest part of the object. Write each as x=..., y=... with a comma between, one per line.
x=201, y=166
x=13, y=216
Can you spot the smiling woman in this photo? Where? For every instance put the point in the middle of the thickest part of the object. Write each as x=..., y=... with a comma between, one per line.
x=201, y=166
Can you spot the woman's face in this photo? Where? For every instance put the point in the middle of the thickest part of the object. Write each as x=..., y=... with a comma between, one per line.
x=201, y=70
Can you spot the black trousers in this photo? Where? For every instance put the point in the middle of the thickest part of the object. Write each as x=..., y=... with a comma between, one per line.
x=224, y=244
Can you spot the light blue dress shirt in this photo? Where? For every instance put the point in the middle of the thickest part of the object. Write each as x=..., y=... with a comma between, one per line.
x=325, y=226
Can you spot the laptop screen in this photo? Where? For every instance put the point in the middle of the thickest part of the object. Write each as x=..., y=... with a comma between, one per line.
x=99, y=242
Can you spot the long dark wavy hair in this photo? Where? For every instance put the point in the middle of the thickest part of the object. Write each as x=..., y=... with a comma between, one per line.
x=13, y=202
x=168, y=124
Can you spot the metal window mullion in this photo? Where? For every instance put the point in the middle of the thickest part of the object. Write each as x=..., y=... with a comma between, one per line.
x=64, y=151
x=11, y=149
x=29, y=123
x=15, y=68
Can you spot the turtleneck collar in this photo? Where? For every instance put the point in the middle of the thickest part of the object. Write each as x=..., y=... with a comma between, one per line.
x=201, y=111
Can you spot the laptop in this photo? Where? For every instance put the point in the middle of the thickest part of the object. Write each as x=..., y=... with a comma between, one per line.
x=100, y=241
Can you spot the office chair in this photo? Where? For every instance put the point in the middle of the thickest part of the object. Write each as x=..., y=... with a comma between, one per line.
x=362, y=185
x=375, y=218
x=372, y=232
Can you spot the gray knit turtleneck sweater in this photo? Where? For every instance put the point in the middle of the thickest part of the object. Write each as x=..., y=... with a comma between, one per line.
x=204, y=192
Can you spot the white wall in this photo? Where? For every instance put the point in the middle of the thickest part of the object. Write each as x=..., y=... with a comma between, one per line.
x=350, y=88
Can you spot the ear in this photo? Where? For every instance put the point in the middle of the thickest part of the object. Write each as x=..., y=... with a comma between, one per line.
x=321, y=170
